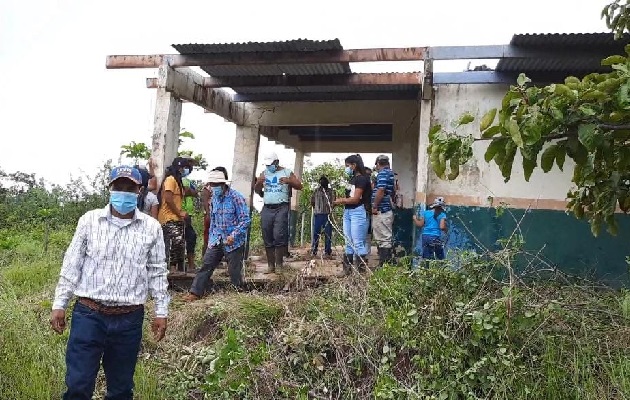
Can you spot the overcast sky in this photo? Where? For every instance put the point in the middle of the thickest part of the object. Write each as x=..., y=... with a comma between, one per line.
x=63, y=113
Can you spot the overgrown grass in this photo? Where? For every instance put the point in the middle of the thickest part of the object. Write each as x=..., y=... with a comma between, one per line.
x=430, y=334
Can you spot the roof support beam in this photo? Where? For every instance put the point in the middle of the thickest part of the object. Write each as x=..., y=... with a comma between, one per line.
x=266, y=58
x=186, y=85
x=407, y=78
x=504, y=51
x=327, y=96
x=498, y=77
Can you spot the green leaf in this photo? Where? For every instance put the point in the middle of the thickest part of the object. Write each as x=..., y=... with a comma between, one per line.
x=587, y=134
x=548, y=157
x=528, y=167
x=495, y=146
x=492, y=131
x=487, y=119
x=561, y=153
x=508, y=161
x=514, y=131
x=522, y=79
x=624, y=94
x=434, y=131
x=466, y=118
x=608, y=61
x=454, y=165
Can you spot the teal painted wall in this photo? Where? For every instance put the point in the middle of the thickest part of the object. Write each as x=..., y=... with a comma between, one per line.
x=293, y=227
x=402, y=230
x=566, y=242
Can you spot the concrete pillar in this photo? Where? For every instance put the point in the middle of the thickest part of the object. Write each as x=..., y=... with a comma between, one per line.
x=166, y=125
x=426, y=115
x=245, y=161
x=298, y=170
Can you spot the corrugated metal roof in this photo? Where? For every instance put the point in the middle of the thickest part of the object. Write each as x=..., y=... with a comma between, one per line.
x=327, y=89
x=302, y=45
x=569, y=40
x=600, y=44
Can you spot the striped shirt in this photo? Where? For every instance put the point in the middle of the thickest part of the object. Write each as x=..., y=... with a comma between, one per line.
x=115, y=261
x=229, y=217
x=322, y=200
x=384, y=180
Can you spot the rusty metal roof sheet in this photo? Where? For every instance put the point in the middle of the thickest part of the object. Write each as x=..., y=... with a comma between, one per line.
x=601, y=44
x=304, y=45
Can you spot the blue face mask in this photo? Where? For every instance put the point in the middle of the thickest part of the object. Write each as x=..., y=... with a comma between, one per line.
x=217, y=190
x=271, y=168
x=186, y=172
x=123, y=202
x=349, y=171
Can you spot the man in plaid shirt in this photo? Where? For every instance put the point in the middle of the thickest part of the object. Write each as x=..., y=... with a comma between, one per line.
x=229, y=223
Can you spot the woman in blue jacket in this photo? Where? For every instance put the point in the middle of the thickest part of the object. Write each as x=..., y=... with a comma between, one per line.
x=433, y=223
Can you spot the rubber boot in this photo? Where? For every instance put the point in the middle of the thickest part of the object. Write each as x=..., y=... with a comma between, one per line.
x=388, y=255
x=381, y=257
x=348, y=261
x=271, y=259
x=280, y=252
x=362, y=263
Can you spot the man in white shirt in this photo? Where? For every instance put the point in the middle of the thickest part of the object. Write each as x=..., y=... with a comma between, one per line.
x=116, y=258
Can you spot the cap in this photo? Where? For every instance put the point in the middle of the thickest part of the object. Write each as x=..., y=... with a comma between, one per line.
x=180, y=162
x=438, y=202
x=144, y=173
x=216, y=177
x=382, y=158
x=270, y=158
x=125, y=171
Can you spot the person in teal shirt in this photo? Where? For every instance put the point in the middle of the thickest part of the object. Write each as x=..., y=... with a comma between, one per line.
x=433, y=223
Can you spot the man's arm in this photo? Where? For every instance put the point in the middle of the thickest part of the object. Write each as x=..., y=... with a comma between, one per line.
x=381, y=183
x=72, y=266
x=242, y=211
x=205, y=200
x=156, y=274
x=295, y=182
x=260, y=182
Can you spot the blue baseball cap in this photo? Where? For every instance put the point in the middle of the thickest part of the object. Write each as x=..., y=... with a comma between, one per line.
x=125, y=171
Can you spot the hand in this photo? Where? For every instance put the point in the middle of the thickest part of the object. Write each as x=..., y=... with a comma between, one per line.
x=374, y=210
x=260, y=179
x=58, y=320
x=183, y=215
x=158, y=327
x=229, y=240
x=285, y=181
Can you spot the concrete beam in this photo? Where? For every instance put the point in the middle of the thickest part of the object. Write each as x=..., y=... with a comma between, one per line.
x=266, y=58
x=346, y=147
x=187, y=85
x=329, y=113
x=329, y=96
x=395, y=78
x=505, y=51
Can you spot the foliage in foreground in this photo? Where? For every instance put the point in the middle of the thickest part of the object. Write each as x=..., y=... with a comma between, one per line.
x=435, y=333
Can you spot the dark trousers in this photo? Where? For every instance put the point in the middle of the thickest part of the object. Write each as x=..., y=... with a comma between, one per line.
x=190, y=235
x=174, y=243
x=211, y=261
x=275, y=225
x=115, y=339
x=321, y=222
x=432, y=247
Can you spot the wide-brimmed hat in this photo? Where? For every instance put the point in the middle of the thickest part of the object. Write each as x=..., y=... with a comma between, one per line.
x=438, y=202
x=216, y=177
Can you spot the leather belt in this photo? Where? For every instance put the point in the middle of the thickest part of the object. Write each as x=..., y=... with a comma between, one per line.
x=274, y=206
x=108, y=310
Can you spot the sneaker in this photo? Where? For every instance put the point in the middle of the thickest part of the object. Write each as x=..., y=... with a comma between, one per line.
x=191, y=297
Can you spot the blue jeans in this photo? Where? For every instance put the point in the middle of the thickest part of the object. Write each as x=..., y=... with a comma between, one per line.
x=432, y=247
x=113, y=338
x=320, y=221
x=355, y=227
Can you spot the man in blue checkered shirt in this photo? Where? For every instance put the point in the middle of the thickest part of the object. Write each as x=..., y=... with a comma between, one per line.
x=382, y=210
x=229, y=224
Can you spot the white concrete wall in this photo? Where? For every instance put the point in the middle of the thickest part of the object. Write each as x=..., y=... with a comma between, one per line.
x=479, y=180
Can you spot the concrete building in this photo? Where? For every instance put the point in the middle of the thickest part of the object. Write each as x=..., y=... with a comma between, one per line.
x=303, y=95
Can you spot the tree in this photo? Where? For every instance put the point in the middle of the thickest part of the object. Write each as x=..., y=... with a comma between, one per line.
x=141, y=152
x=587, y=120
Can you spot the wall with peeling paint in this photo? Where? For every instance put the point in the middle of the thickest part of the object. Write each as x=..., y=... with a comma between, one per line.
x=479, y=180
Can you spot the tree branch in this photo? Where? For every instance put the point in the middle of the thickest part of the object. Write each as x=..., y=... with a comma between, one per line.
x=612, y=127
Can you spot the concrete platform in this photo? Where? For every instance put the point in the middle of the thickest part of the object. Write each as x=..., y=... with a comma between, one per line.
x=298, y=269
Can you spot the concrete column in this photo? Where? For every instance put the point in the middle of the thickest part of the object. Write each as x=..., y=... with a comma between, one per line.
x=245, y=161
x=426, y=115
x=404, y=154
x=298, y=169
x=166, y=125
